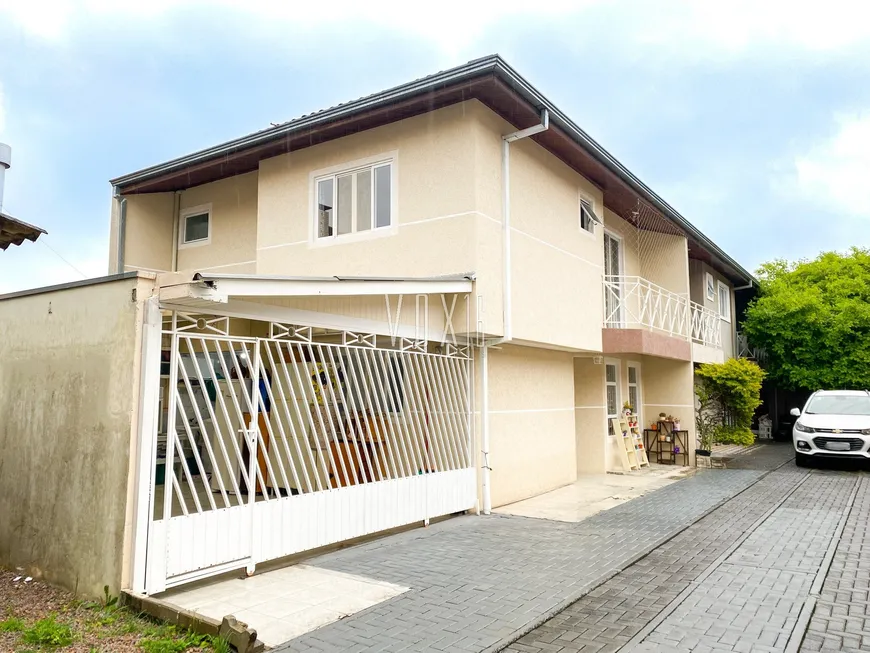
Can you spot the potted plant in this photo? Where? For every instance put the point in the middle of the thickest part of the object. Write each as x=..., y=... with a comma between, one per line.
x=676, y=421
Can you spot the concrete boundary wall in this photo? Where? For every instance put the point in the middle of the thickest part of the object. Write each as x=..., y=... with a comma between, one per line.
x=69, y=382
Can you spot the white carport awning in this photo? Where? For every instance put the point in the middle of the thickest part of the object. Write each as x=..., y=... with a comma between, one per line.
x=205, y=289
x=234, y=295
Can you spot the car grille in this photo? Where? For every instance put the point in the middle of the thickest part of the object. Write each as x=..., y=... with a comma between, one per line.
x=838, y=431
x=855, y=444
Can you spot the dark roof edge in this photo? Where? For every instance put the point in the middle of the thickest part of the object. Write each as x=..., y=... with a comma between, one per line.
x=491, y=63
x=521, y=86
x=76, y=284
x=471, y=69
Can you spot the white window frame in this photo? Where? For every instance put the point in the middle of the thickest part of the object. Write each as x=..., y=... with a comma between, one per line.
x=593, y=216
x=387, y=158
x=726, y=316
x=638, y=410
x=709, y=287
x=182, y=226
x=619, y=321
x=616, y=364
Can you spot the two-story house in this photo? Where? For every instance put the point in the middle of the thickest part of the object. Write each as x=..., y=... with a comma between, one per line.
x=444, y=292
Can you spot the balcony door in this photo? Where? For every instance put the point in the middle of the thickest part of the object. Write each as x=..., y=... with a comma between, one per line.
x=612, y=280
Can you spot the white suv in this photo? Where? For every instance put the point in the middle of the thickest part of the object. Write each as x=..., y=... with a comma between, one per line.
x=833, y=424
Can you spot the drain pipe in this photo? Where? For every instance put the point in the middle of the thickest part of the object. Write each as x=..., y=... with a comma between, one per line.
x=507, y=300
x=122, y=228
x=176, y=225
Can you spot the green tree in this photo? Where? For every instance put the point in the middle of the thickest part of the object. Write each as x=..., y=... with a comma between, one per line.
x=813, y=320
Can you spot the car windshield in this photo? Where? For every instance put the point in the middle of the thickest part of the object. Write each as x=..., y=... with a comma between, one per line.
x=839, y=405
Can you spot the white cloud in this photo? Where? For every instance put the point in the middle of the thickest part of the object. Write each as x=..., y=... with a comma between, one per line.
x=833, y=174
x=693, y=27
x=2, y=113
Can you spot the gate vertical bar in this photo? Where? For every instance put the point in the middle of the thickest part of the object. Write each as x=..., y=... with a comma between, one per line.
x=252, y=438
x=149, y=406
x=169, y=465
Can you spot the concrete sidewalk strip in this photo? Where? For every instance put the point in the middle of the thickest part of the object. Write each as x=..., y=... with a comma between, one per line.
x=479, y=583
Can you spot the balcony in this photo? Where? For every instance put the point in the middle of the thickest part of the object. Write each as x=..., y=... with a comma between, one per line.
x=641, y=317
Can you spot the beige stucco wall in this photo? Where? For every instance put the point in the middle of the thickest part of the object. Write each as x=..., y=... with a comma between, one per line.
x=148, y=241
x=532, y=440
x=233, y=243
x=69, y=379
x=435, y=227
x=556, y=266
x=697, y=275
x=590, y=413
x=668, y=387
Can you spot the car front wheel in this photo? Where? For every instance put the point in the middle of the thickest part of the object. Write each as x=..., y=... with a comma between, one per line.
x=801, y=459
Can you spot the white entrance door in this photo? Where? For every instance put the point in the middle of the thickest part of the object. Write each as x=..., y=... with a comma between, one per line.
x=612, y=280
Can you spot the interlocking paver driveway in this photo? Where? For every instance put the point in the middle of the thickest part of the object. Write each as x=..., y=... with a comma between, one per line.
x=478, y=582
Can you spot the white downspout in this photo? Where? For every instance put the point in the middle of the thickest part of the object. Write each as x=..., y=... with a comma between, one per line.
x=176, y=214
x=507, y=300
x=484, y=415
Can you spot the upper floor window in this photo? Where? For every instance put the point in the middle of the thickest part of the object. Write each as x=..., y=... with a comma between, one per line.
x=724, y=302
x=354, y=201
x=195, y=226
x=587, y=216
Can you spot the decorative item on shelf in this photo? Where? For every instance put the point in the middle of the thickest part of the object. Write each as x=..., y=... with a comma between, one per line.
x=676, y=421
x=676, y=449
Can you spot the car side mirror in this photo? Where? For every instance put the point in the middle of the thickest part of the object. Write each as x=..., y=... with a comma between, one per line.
x=796, y=412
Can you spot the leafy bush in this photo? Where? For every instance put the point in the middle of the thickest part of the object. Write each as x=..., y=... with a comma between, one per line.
x=728, y=394
x=734, y=435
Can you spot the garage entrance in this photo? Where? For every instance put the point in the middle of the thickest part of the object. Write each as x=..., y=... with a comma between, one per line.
x=269, y=446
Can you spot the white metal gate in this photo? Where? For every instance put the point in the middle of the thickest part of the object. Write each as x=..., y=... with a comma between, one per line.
x=284, y=444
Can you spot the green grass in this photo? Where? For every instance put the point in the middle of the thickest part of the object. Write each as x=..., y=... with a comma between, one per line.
x=104, y=622
x=174, y=642
x=48, y=632
x=11, y=625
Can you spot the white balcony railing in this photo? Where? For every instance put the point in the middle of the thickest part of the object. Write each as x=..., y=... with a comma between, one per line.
x=637, y=303
x=745, y=350
x=706, y=326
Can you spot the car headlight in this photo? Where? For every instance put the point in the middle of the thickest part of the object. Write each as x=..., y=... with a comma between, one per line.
x=804, y=428
x=865, y=432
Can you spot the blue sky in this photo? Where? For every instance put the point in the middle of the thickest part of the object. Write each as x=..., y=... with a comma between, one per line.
x=751, y=118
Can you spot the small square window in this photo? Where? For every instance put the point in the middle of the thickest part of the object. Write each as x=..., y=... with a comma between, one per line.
x=724, y=302
x=587, y=216
x=196, y=227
